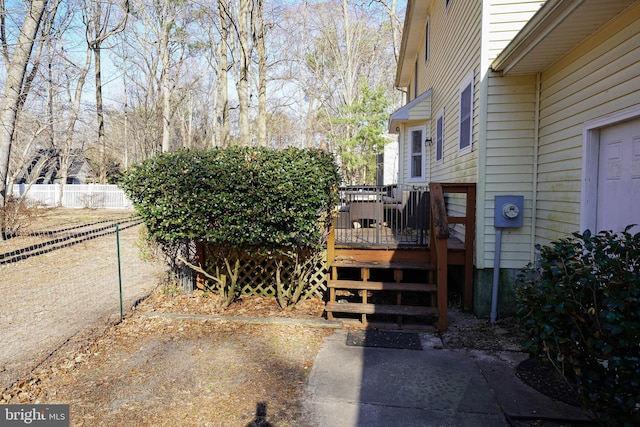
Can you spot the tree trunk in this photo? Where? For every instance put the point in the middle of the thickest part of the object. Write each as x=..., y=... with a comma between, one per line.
x=98, y=35
x=16, y=70
x=100, y=116
x=262, y=72
x=223, y=120
x=166, y=89
x=65, y=155
x=348, y=84
x=243, y=78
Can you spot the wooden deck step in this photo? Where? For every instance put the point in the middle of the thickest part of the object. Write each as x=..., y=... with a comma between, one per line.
x=392, y=265
x=381, y=286
x=398, y=310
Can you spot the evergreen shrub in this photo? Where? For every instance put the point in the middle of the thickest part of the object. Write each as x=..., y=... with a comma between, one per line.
x=240, y=198
x=581, y=312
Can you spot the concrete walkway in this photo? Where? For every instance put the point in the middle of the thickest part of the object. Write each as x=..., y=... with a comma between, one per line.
x=365, y=386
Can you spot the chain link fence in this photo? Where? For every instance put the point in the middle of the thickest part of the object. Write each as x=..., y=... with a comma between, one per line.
x=62, y=283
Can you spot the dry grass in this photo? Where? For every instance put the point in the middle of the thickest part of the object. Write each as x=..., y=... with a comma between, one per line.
x=158, y=372
x=150, y=371
x=154, y=371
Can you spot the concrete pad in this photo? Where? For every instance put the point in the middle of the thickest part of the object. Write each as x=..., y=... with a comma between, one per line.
x=353, y=386
x=341, y=414
x=519, y=400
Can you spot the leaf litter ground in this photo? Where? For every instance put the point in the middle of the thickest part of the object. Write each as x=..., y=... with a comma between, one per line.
x=166, y=372
x=162, y=371
x=152, y=371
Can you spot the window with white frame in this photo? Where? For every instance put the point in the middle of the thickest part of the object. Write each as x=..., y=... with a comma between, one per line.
x=416, y=153
x=427, y=41
x=466, y=113
x=440, y=137
x=415, y=81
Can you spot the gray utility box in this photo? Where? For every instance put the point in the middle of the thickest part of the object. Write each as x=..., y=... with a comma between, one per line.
x=508, y=211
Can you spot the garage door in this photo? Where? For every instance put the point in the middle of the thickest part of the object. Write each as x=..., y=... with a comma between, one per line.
x=618, y=201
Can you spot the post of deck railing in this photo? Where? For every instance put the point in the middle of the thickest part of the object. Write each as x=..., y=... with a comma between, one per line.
x=439, y=211
x=442, y=278
x=331, y=242
x=439, y=237
x=469, y=233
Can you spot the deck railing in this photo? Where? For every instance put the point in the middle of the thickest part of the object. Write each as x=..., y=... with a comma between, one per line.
x=444, y=236
x=394, y=215
x=440, y=235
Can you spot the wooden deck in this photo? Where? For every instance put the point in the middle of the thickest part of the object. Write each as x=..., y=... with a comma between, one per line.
x=380, y=277
x=382, y=235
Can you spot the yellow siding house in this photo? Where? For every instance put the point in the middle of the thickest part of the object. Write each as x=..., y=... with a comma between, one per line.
x=538, y=99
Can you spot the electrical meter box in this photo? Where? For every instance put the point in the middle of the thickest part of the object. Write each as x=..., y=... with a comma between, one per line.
x=508, y=211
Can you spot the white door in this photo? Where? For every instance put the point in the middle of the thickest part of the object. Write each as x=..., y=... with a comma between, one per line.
x=618, y=201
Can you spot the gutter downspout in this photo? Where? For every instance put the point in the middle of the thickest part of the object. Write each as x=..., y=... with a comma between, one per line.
x=534, y=180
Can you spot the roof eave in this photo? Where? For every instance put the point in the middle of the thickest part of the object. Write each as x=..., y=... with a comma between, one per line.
x=402, y=115
x=415, y=20
x=560, y=24
x=538, y=27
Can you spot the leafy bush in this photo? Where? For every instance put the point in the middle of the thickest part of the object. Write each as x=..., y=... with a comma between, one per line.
x=581, y=310
x=239, y=196
x=273, y=201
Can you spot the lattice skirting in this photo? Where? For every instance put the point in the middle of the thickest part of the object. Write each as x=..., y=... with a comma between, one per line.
x=257, y=273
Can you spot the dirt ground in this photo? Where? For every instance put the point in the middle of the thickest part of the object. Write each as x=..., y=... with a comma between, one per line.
x=146, y=371
x=64, y=289
x=153, y=371
x=157, y=370
x=163, y=371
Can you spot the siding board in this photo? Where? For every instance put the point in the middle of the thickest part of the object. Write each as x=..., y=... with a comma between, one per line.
x=597, y=78
x=455, y=38
x=508, y=163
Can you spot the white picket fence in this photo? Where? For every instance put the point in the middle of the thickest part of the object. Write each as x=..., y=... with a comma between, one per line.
x=75, y=195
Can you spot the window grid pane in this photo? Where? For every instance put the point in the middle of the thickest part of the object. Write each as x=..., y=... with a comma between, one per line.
x=416, y=154
x=465, y=117
x=439, y=137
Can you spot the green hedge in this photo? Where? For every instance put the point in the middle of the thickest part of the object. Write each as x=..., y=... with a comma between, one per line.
x=581, y=311
x=275, y=204
x=237, y=197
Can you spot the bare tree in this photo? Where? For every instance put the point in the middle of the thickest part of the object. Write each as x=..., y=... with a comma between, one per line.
x=139, y=64
x=23, y=163
x=16, y=70
x=30, y=135
x=340, y=43
x=258, y=32
x=222, y=117
x=96, y=16
x=243, y=62
x=395, y=21
x=165, y=37
x=295, y=66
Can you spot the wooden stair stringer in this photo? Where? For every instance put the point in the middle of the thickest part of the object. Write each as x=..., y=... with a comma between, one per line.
x=394, y=264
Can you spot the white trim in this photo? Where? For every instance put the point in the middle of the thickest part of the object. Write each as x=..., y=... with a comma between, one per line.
x=467, y=82
x=423, y=153
x=590, y=153
x=415, y=80
x=549, y=17
x=439, y=136
x=400, y=116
